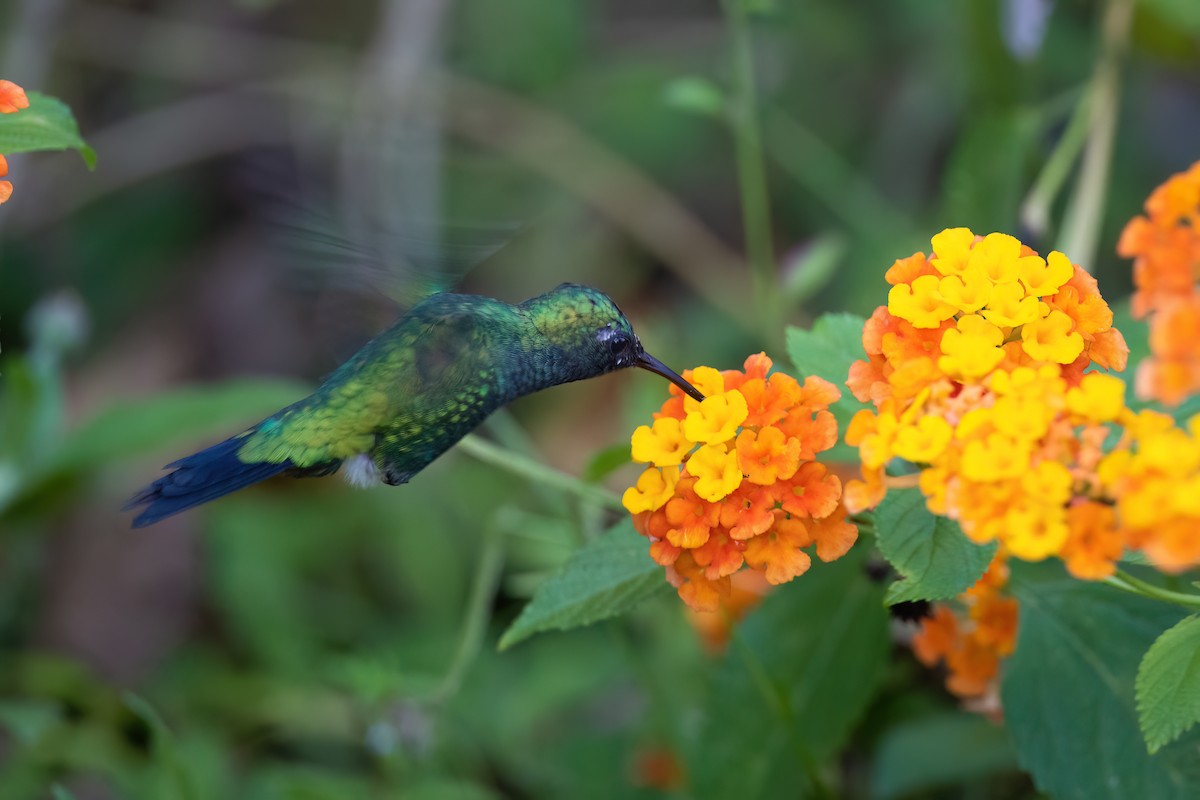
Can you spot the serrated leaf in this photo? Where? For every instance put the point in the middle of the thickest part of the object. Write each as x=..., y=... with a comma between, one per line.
x=1168, y=684
x=801, y=672
x=938, y=751
x=931, y=553
x=47, y=124
x=607, y=576
x=827, y=351
x=1068, y=691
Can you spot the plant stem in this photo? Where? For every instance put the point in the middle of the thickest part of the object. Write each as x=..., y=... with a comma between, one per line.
x=1081, y=227
x=537, y=472
x=1035, y=211
x=483, y=591
x=1125, y=581
x=752, y=175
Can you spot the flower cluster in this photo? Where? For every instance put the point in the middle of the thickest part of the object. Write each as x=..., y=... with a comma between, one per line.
x=976, y=371
x=1166, y=247
x=1153, y=481
x=972, y=641
x=12, y=99
x=732, y=480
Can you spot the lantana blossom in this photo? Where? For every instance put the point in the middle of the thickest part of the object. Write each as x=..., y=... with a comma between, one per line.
x=12, y=99
x=1165, y=246
x=731, y=481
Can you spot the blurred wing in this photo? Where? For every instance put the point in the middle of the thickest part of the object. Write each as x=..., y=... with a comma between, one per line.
x=393, y=383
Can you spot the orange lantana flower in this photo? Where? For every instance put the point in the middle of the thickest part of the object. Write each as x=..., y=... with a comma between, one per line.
x=972, y=640
x=731, y=481
x=12, y=99
x=1165, y=246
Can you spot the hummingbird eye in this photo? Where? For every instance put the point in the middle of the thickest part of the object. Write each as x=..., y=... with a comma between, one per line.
x=618, y=344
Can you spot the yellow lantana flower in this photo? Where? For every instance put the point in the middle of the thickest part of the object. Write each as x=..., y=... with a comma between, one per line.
x=1098, y=398
x=923, y=442
x=662, y=444
x=1051, y=339
x=716, y=471
x=952, y=250
x=717, y=418
x=1044, y=278
x=972, y=348
x=920, y=303
x=654, y=488
x=1009, y=306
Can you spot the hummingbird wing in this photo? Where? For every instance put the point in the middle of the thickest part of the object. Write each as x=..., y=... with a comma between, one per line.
x=402, y=398
x=400, y=401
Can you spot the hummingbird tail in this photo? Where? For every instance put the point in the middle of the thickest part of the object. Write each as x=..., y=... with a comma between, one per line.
x=198, y=478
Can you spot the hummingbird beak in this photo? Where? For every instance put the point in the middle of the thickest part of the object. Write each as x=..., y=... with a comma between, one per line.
x=649, y=362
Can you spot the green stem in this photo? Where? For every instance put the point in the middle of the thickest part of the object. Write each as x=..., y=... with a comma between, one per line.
x=483, y=591
x=537, y=472
x=752, y=174
x=1081, y=228
x=1035, y=211
x=1126, y=582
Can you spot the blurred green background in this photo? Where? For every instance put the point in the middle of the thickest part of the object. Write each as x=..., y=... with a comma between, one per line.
x=277, y=179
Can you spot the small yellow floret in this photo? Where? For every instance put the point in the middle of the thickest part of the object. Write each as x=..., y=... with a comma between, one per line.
x=717, y=418
x=654, y=488
x=996, y=257
x=925, y=441
x=920, y=303
x=1009, y=306
x=967, y=292
x=1043, y=278
x=1098, y=398
x=972, y=348
x=952, y=250
x=716, y=471
x=1051, y=339
x=663, y=444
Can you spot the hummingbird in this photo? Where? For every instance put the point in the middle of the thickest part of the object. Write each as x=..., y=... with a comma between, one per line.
x=412, y=392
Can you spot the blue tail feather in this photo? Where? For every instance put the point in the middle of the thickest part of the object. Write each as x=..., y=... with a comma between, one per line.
x=198, y=478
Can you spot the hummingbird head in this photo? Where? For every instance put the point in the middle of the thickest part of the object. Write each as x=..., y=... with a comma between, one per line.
x=593, y=335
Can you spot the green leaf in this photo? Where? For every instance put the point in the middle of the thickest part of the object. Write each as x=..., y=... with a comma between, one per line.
x=140, y=426
x=607, y=576
x=46, y=125
x=606, y=462
x=695, y=95
x=800, y=672
x=1183, y=14
x=1168, y=684
x=938, y=751
x=1068, y=691
x=827, y=351
x=931, y=553
x=810, y=270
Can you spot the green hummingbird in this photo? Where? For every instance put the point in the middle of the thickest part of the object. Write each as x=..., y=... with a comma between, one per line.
x=413, y=391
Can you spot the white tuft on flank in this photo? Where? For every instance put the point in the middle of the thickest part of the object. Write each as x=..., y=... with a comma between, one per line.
x=361, y=472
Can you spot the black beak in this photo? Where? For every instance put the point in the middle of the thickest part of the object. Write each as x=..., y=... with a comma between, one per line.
x=647, y=361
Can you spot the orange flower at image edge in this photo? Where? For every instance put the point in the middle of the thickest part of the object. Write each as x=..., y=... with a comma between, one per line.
x=731, y=481
x=12, y=99
x=1165, y=246
x=978, y=372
